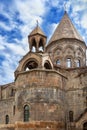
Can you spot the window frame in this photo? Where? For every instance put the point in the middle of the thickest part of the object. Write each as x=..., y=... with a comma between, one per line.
x=7, y=119
x=69, y=62
x=58, y=62
x=26, y=113
x=71, y=116
x=78, y=63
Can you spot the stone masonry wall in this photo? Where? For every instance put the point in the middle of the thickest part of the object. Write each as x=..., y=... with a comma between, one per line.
x=67, y=48
x=76, y=92
x=43, y=91
x=6, y=108
x=34, y=126
x=38, y=78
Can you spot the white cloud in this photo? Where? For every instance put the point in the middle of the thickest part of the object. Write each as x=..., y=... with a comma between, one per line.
x=7, y=72
x=79, y=15
x=52, y=29
x=12, y=54
x=28, y=9
x=2, y=42
x=54, y=3
x=84, y=21
x=16, y=49
x=28, y=13
x=4, y=26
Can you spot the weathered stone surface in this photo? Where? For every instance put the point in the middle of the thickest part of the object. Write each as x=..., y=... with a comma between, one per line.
x=50, y=90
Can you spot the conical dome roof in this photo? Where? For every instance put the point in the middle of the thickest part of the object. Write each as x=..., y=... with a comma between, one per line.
x=65, y=29
x=37, y=30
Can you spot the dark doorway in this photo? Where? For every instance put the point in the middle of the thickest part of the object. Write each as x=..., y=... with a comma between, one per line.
x=85, y=126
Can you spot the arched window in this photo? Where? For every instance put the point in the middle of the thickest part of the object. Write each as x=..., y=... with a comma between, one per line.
x=33, y=46
x=71, y=116
x=41, y=48
x=68, y=61
x=78, y=63
x=85, y=126
x=7, y=119
x=41, y=45
x=33, y=49
x=58, y=62
x=47, y=65
x=14, y=110
x=12, y=92
x=31, y=65
x=26, y=113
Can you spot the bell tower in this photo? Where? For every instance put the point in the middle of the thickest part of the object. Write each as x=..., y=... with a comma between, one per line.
x=37, y=40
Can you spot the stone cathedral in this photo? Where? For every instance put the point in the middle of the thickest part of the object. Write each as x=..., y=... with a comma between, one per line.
x=50, y=87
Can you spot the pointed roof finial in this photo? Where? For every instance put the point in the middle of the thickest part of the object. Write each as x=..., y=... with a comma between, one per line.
x=37, y=30
x=37, y=22
x=65, y=8
x=65, y=29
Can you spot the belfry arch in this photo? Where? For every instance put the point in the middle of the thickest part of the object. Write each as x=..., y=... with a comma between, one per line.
x=37, y=39
x=41, y=45
x=33, y=46
x=47, y=65
x=31, y=64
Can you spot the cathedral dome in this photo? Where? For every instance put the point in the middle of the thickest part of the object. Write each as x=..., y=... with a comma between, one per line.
x=65, y=29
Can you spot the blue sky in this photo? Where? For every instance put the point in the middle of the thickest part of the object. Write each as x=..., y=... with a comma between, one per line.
x=18, y=18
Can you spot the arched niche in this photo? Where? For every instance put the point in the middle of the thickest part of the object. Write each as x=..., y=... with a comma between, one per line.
x=58, y=60
x=57, y=51
x=41, y=45
x=79, y=52
x=69, y=50
x=31, y=64
x=33, y=45
x=68, y=46
x=26, y=113
x=47, y=65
